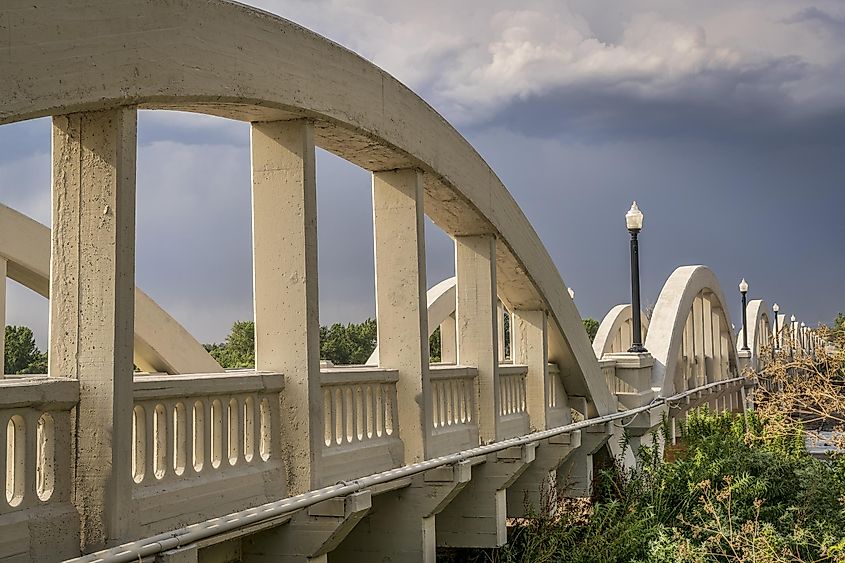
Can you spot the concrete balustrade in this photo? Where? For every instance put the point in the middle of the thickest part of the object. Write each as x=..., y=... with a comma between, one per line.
x=513, y=408
x=453, y=405
x=35, y=465
x=361, y=432
x=201, y=439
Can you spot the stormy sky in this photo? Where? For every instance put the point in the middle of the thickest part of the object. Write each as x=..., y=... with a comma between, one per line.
x=725, y=120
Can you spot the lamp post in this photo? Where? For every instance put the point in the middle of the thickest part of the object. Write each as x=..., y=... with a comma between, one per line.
x=743, y=289
x=803, y=337
x=793, y=330
x=634, y=222
x=775, y=309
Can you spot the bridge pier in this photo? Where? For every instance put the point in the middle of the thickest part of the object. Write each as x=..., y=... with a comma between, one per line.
x=311, y=534
x=400, y=527
x=536, y=485
x=575, y=475
x=478, y=517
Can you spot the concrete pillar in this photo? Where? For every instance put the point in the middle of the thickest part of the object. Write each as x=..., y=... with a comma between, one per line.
x=530, y=347
x=500, y=317
x=536, y=488
x=311, y=534
x=698, y=324
x=475, y=267
x=401, y=306
x=717, y=343
x=478, y=515
x=92, y=307
x=707, y=322
x=2, y=316
x=448, y=341
x=403, y=524
x=575, y=475
x=287, y=317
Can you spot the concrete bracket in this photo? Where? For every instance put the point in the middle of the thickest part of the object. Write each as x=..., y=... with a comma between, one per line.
x=311, y=533
x=478, y=517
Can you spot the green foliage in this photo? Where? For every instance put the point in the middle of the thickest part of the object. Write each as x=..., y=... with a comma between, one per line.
x=434, y=346
x=21, y=354
x=837, y=330
x=348, y=344
x=592, y=327
x=739, y=491
x=341, y=344
x=239, y=349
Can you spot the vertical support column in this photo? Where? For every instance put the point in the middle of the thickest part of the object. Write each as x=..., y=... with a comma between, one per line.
x=401, y=306
x=500, y=315
x=698, y=325
x=707, y=321
x=2, y=316
x=530, y=347
x=92, y=307
x=717, y=344
x=448, y=341
x=285, y=290
x=475, y=267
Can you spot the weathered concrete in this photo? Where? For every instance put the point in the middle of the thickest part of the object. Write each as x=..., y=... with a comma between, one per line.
x=575, y=475
x=478, y=515
x=401, y=312
x=533, y=491
x=311, y=534
x=530, y=347
x=287, y=317
x=92, y=309
x=2, y=315
x=401, y=527
x=475, y=268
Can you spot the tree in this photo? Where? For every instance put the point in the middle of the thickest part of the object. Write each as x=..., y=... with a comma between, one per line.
x=348, y=344
x=592, y=327
x=239, y=348
x=21, y=354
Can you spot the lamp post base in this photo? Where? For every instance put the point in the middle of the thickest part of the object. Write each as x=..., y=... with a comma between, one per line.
x=637, y=349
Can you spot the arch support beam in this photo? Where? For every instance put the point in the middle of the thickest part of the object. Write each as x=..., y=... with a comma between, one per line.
x=401, y=304
x=478, y=326
x=530, y=347
x=92, y=307
x=287, y=316
x=2, y=316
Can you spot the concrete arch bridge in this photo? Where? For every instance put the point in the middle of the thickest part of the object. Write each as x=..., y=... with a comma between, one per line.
x=185, y=461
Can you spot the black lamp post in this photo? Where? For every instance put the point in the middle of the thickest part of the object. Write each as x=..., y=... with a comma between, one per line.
x=743, y=289
x=775, y=309
x=634, y=221
x=793, y=329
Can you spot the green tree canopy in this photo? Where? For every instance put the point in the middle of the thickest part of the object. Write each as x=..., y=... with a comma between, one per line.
x=21, y=354
x=592, y=327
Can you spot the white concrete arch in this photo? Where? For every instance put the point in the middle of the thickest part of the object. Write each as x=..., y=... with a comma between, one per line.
x=759, y=331
x=161, y=343
x=223, y=58
x=690, y=336
x=615, y=331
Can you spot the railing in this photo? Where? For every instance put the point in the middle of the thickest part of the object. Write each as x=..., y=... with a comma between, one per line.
x=203, y=438
x=360, y=417
x=557, y=406
x=35, y=456
x=513, y=411
x=453, y=413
